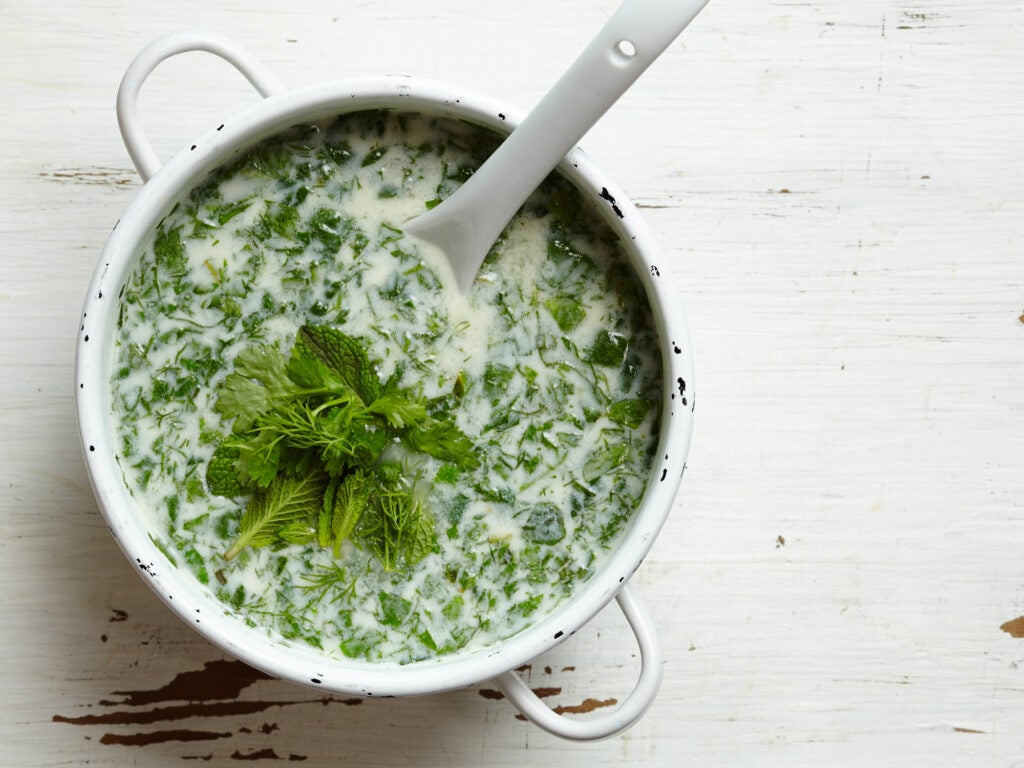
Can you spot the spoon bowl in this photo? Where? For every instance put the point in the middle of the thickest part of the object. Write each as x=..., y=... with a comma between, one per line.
x=466, y=225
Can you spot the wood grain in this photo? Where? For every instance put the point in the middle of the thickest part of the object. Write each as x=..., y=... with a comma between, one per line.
x=839, y=189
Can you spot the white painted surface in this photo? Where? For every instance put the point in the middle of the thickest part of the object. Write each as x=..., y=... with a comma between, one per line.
x=840, y=189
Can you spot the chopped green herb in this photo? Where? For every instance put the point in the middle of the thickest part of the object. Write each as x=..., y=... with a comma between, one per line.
x=609, y=348
x=545, y=524
x=294, y=387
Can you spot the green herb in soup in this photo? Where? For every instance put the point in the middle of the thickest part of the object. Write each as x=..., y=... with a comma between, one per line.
x=346, y=450
x=309, y=444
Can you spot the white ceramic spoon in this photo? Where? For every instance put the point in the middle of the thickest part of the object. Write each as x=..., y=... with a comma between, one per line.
x=466, y=225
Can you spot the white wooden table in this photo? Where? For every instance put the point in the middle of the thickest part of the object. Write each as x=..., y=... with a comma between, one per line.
x=840, y=189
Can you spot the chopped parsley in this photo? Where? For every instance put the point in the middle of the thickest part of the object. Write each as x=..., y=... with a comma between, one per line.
x=390, y=477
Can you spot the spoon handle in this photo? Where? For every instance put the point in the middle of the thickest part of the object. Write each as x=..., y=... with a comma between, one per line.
x=468, y=223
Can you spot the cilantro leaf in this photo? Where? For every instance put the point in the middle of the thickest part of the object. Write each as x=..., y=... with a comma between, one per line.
x=258, y=382
x=265, y=364
x=442, y=440
x=258, y=459
x=243, y=400
x=399, y=409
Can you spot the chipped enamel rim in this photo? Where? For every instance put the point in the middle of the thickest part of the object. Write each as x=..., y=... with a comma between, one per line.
x=195, y=603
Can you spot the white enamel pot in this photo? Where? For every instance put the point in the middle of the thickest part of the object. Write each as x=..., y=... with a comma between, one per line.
x=194, y=603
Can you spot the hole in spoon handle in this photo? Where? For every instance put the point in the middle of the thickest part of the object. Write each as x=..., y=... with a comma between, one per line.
x=624, y=51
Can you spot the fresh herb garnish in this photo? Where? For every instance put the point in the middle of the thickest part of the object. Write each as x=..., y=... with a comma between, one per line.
x=308, y=443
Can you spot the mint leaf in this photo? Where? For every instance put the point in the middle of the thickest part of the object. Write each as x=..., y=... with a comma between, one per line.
x=609, y=348
x=329, y=229
x=298, y=532
x=394, y=609
x=630, y=413
x=545, y=524
x=286, y=501
x=453, y=610
x=350, y=500
x=323, y=527
x=497, y=378
x=221, y=474
x=313, y=374
x=170, y=251
x=568, y=313
x=420, y=541
x=328, y=358
x=605, y=461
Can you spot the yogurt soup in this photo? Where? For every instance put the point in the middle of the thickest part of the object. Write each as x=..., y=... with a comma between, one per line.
x=487, y=451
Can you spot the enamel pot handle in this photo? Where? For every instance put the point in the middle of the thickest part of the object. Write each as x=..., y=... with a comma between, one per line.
x=627, y=713
x=139, y=149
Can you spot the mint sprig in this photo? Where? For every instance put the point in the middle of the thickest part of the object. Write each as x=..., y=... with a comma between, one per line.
x=308, y=438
